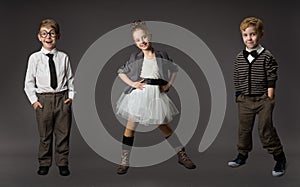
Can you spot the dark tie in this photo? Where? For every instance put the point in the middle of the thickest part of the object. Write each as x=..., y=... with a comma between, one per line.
x=252, y=53
x=53, y=77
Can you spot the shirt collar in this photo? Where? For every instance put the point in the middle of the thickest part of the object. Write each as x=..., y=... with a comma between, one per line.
x=45, y=51
x=259, y=49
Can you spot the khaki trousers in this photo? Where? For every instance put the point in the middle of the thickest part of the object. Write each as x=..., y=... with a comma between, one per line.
x=249, y=107
x=54, y=119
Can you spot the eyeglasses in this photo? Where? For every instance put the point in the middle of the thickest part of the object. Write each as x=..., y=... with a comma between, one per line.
x=51, y=33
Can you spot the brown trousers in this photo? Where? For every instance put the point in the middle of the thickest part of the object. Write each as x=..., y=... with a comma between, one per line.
x=248, y=107
x=54, y=118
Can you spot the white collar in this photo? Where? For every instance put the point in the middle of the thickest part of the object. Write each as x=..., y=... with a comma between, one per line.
x=45, y=51
x=259, y=49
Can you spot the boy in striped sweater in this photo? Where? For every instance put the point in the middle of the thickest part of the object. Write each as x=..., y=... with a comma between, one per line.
x=255, y=75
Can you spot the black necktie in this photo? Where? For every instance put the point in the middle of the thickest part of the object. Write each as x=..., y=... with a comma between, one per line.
x=252, y=53
x=53, y=77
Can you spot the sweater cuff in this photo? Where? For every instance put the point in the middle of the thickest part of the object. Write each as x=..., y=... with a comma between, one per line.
x=237, y=93
x=272, y=84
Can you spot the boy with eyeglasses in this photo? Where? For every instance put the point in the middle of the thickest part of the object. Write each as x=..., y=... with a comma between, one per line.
x=49, y=88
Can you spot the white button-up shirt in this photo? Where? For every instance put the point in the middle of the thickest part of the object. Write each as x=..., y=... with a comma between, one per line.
x=37, y=78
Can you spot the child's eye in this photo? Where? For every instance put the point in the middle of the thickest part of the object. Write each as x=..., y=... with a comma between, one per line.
x=52, y=33
x=43, y=33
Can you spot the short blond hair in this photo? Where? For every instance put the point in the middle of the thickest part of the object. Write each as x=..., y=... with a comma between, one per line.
x=51, y=23
x=252, y=21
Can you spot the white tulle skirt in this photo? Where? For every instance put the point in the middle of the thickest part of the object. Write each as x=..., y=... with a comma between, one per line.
x=148, y=106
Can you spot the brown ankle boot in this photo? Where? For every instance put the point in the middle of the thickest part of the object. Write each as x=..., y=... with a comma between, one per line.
x=185, y=160
x=124, y=165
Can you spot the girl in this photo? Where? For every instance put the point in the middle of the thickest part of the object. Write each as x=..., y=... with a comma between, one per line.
x=148, y=74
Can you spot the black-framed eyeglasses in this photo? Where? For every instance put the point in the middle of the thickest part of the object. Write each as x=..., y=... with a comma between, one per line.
x=51, y=33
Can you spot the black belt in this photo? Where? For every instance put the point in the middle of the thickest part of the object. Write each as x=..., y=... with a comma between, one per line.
x=155, y=81
x=53, y=93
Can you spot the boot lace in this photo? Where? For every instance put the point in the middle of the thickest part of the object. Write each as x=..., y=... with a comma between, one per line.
x=183, y=156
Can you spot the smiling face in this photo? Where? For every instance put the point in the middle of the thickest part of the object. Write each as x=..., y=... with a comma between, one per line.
x=251, y=37
x=48, y=37
x=141, y=39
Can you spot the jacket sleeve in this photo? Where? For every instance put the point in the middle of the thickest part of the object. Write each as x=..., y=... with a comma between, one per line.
x=271, y=69
x=171, y=65
x=126, y=68
x=236, y=78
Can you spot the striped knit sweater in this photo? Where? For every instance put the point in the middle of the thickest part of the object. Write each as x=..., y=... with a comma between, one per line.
x=256, y=77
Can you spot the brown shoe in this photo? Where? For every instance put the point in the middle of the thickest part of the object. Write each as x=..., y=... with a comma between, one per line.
x=185, y=160
x=124, y=165
x=121, y=170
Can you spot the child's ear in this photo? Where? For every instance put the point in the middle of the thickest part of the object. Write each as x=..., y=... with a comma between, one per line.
x=39, y=37
x=261, y=34
x=58, y=36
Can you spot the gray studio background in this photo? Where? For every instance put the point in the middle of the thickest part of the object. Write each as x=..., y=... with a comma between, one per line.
x=83, y=22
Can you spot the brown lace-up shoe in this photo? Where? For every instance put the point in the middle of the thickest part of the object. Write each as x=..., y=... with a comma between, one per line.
x=184, y=159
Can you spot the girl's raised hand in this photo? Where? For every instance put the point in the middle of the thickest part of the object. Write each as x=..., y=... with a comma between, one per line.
x=139, y=85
